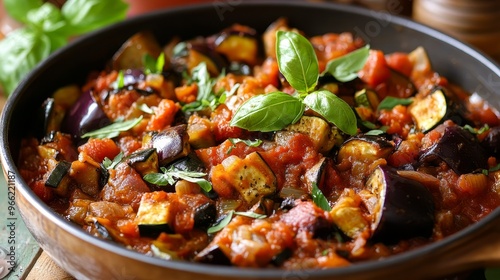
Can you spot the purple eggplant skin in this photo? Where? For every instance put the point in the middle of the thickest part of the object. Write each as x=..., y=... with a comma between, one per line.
x=171, y=144
x=407, y=207
x=84, y=116
x=491, y=142
x=460, y=149
x=213, y=255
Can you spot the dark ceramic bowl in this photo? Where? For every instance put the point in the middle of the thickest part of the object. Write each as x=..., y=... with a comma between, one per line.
x=87, y=257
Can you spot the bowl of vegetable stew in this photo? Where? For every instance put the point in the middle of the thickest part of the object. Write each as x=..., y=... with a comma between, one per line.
x=161, y=146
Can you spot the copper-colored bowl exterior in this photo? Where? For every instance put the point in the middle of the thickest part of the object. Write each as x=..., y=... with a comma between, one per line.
x=87, y=257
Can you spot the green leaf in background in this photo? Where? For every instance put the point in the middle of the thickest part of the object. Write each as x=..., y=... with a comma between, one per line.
x=297, y=60
x=84, y=16
x=333, y=109
x=346, y=67
x=47, y=29
x=492, y=273
x=48, y=18
x=268, y=112
x=390, y=102
x=20, y=52
x=18, y=9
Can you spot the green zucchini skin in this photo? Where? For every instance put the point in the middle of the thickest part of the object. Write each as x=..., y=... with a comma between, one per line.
x=62, y=168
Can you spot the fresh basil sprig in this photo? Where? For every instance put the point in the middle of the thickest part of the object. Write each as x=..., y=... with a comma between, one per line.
x=111, y=164
x=248, y=142
x=46, y=28
x=225, y=221
x=268, y=112
x=319, y=198
x=206, y=97
x=346, y=67
x=152, y=65
x=168, y=177
x=390, y=102
x=298, y=63
x=114, y=129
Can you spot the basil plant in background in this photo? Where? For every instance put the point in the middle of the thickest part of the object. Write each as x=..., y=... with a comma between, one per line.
x=47, y=28
x=298, y=63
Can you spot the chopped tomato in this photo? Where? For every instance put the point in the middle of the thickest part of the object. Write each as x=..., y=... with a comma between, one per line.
x=400, y=62
x=376, y=70
x=164, y=115
x=98, y=149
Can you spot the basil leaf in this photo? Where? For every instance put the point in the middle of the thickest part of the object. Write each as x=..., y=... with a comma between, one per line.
x=333, y=109
x=114, y=129
x=47, y=18
x=297, y=60
x=390, y=102
x=319, y=198
x=346, y=67
x=375, y=132
x=168, y=177
x=268, y=112
x=251, y=215
x=249, y=143
x=20, y=51
x=221, y=224
x=206, y=97
x=18, y=9
x=86, y=15
x=111, y=164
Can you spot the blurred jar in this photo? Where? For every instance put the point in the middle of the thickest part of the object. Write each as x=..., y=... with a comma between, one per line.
x=476, y=22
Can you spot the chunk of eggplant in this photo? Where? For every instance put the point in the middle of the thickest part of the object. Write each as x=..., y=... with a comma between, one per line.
x=84, y=116
x=316, y=174
x=155, y=215
x=144, y=161
x=323, y=135
x=405, y=207
x=171, y=144
x=491, y=142
x=347, y=214
x=199, y=51
x=238, y=43
x=213, y=255
x=51, y=114
x=205, y=215
x=459, y=149
x=251, y=177
x=131, y=53
x=365, y=148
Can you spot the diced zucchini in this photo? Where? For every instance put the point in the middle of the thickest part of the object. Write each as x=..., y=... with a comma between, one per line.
x=144, y=161
x=87, y=177
x=238, y=43
x=366, y=98
x=57, y=178
x=365, y=148
x=155, y=214
x=430, y=110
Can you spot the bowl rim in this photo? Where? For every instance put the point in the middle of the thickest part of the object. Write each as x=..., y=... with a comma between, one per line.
x=9, y=165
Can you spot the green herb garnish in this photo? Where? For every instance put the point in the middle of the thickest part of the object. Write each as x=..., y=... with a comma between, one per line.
x=319, y=198
x=170, y=175
x=206, y=97
x=481, y=130
x=249, y=143
x=146, y=109
x=251, y=215
x=114, y=129
x=221, y=224
x=390, y=102
x=297, y=61
x=152, y=65
x=346, y=67
x=46, y=29
x=111, y=164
